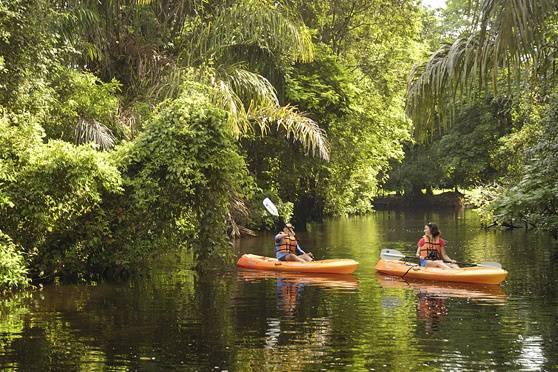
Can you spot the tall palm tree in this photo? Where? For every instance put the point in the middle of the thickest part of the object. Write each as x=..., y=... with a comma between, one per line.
x=508, y=36
x=228, y=48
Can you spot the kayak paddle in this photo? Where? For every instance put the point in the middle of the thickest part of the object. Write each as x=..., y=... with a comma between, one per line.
x=271, y=208
x=393, y=254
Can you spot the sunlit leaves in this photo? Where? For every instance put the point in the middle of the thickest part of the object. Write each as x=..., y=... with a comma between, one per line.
x=13, y=270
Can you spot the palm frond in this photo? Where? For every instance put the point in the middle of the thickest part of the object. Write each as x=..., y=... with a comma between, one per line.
x=294, y=124
x=249, y=99
x=237, y=215
x=263, y=24
x=249, y=86
x=88, y=130
x=510, y=37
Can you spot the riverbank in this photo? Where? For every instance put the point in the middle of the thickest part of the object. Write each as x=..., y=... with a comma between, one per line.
x=450, y=199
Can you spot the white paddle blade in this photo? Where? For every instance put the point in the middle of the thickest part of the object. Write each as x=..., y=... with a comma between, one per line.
x=490, y=264
x=271, y=208
x=391, y=254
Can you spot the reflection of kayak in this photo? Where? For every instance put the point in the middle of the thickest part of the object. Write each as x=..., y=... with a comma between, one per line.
x=335, y=266
x=489, y=293
x=318, y=280
x=477, y=274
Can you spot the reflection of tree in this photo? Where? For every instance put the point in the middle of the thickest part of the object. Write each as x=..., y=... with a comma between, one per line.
x=173, y=318
x=13, y=308
x=290, y=345
x=44, y=339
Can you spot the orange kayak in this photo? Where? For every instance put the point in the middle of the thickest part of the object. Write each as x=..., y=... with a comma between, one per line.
x=477, y=274
x=334, y=266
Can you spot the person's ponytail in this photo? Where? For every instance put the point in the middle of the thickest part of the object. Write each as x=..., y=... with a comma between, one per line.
x=434, y=230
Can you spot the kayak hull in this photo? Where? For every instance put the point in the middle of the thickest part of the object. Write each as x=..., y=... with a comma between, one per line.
x=477, y=274
x=333, y=266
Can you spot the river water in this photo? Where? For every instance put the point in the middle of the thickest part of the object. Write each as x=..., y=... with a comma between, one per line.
x=170, y=319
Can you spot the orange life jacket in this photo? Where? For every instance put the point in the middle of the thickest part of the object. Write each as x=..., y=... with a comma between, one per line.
x=431, y=250
x=287, y=246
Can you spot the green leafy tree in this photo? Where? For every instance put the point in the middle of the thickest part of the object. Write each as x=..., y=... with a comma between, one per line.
x=153, y=48
x=353, y=89
x=26, y=49
x=509, y=37
x=510, y=48
x=52, y=193
x=419, y=170
x=13, y=269
x=532, y=197
x=181, y=171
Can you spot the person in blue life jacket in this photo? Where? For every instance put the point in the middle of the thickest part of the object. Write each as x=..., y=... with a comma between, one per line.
x=287, y=247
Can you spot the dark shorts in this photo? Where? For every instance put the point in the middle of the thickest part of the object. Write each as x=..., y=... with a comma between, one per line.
x=422, y=262
x=281, y=256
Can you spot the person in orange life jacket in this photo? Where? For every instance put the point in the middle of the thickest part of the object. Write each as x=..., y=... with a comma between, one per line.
x=287, y=247
x=431, y=249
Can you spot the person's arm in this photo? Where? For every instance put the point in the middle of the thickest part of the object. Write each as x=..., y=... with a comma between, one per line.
x=445, y=256
x=419, y=244
x=279, y=237
x=298, y=249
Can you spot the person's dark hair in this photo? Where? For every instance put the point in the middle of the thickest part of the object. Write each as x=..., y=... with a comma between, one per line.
x=279, y=225
x=434, y=230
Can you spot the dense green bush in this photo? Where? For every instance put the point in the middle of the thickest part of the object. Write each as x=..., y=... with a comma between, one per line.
x=51, y=196
x=79, y=95
x=13, y=272
x=531, y=195
x=180, y=175
x=73, y=215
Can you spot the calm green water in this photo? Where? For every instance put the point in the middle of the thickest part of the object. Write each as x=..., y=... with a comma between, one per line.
x=241, y=321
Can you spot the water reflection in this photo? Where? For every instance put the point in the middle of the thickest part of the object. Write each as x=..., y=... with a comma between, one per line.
x=492, y=294
x=430, y=310
x=289, y=288
x=431, y=297
x=175, y=319
x=298, y=334
x=347, y=281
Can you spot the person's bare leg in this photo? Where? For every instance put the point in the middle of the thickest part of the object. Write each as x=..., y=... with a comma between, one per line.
x=306, y=257
x=437, y=264
x=445, y=265
x=293, y=258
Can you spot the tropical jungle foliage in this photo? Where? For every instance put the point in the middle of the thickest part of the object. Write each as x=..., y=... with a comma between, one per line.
x=483, y=105
x=128, y=127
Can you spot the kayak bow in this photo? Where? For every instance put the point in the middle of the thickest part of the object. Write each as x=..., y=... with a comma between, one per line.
x=477, y=274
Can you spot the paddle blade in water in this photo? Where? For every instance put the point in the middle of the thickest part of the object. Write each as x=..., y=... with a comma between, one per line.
x=271, y=208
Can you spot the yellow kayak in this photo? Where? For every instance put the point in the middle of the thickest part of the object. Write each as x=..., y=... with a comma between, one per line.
x=332, y=266
x=477, y=274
